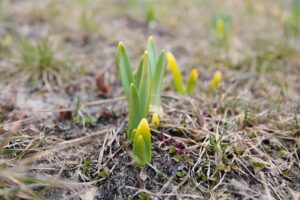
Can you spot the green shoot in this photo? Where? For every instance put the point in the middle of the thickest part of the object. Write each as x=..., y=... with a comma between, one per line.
x=155, y=121
x=142, y=152
x=215, y=81
x=134, y=114
x=137, y=88
x=177, y=76
x=190, y=88
x=125, y=69
x=150, y=13
x=221, y=29
x=158, y=67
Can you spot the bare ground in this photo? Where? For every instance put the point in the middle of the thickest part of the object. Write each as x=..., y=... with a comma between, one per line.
x=241, y=142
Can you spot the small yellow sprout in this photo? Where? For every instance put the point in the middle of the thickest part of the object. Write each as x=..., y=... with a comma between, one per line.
x=192, y=81
x=215, y=82
x=220, y=28
x=178, y=82
x=155, y=120
x=142, y=152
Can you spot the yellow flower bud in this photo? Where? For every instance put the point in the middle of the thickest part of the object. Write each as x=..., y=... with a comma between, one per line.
x=142, y=152
x=155, y=120
x=215, y=82
x=192, y=81
x=220, y=28
x=178, y=82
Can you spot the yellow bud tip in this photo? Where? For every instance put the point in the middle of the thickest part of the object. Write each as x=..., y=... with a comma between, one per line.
x=155, y=120
x=178, y=82
x=215, y=82
x=121, y=44
x=140, y=139
x=143, y=128
x=194, y=74
x=151, y=38
x=171, y=61
x=218, y=76
x=146, y=53
x=170, y=56
x=220, y=26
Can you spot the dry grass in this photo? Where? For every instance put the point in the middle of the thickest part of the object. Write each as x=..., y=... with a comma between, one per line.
x=241, y=142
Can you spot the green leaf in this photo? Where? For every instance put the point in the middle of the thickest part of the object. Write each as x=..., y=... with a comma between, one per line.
x=144, y=91
x=125, y=69
x=152, y=51
x=158, y=81
x=139, y=73
x=134, y=114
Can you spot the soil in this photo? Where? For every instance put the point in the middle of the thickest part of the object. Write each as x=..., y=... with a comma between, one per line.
x=48, y=151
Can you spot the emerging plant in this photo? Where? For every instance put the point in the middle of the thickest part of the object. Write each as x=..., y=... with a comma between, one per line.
x=158, y=68
x=150, y=14
x=137, y=88
x=142, y=152
x=155, y=120
x=221, y=29
x=177, y=77
x=215, y=81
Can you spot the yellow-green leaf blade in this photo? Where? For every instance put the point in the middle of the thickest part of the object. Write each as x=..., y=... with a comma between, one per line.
x=152, y=51
x=144, y=91
x=134, y=116
x=139, y=73
x=191, y=84
x=177, y=77
x=125, y=69
x=158, y=81
x=142, y=152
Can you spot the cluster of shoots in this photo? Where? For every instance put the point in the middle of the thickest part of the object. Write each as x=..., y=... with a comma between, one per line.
x=221, y=29
x=143, y=88
x=189, y=88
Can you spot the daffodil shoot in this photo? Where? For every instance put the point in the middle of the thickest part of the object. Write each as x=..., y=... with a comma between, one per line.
x=177, y=76
x=142, y=153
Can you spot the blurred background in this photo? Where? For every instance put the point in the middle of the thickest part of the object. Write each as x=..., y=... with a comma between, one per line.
x=52, y=44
